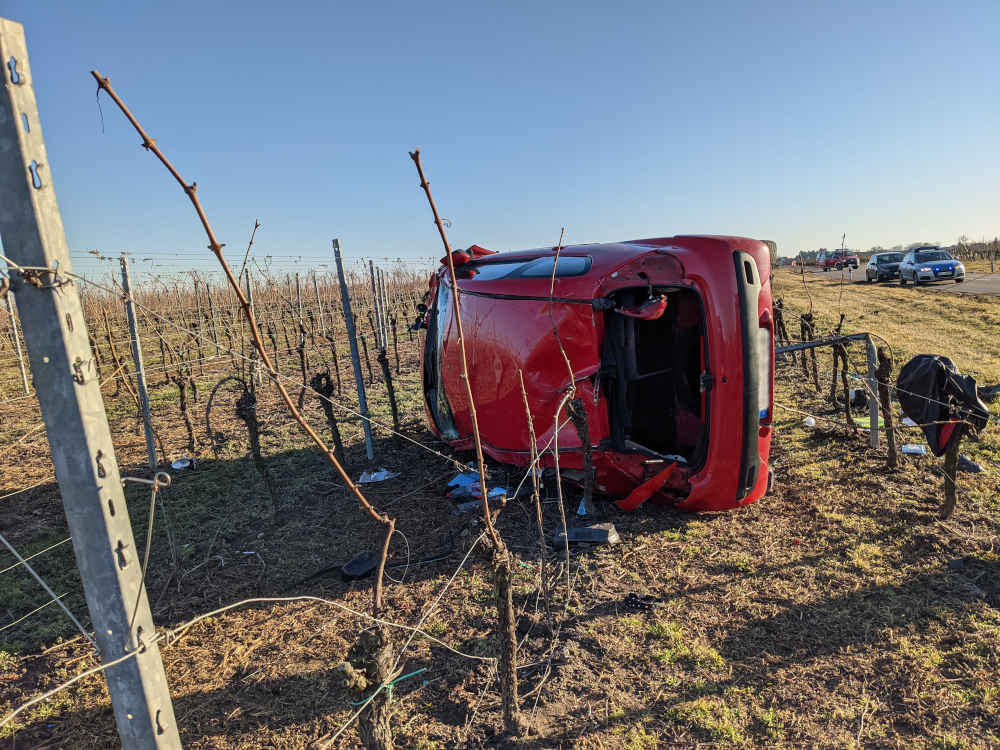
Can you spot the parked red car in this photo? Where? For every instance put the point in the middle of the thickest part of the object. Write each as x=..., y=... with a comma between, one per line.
x=671, y=345
x=837, y=259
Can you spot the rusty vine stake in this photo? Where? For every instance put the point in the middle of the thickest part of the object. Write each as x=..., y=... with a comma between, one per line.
x=507, y=666
x=376, y=713
x=543, y=549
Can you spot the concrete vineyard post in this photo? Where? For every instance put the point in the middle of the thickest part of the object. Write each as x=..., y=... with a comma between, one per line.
x=873, y=405
x=352, y=340
x=73, y=411
x=140, y=372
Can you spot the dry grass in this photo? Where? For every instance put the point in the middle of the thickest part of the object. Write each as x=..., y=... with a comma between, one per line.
x=836, y=612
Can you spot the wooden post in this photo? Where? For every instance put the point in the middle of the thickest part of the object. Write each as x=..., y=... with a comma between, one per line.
x=950, y=471
x=883, y=373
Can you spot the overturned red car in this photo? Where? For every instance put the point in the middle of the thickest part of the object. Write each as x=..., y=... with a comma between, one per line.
x=671, y=346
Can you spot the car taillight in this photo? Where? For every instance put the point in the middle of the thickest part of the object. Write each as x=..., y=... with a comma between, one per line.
x=764, y=372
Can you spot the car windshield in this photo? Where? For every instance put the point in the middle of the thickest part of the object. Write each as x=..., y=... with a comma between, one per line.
x=890, y=258
x=931, y=255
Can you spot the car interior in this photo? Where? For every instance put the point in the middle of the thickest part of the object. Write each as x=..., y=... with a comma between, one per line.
x=652, y=372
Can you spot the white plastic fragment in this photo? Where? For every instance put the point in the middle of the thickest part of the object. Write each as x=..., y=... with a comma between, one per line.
x=914, y=449
x=909, y=422
x=809, y=422
x=369, y=477
x=180, y=464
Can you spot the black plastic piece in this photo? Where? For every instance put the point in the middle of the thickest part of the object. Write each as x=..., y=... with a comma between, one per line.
x=360, y=566
x=748, y=287
x=598, y=533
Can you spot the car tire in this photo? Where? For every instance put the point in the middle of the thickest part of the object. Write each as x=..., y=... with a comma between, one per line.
x=959, y=281
x=839, y=267
x=902, y=281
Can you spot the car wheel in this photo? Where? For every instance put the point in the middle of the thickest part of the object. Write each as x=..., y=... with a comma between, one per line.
x=902, y=281
x=825, y=269
x=839, y=267
x=959, y=281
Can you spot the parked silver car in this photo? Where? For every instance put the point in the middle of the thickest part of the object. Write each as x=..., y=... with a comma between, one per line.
x=930, y=264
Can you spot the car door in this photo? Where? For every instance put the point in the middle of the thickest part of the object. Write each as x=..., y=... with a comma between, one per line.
x=906, y=267
x=871, y=272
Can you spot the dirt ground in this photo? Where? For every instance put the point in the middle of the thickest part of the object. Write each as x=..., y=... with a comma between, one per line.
x=837, y=611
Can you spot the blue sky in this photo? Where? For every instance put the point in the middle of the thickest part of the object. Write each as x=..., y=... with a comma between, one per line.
x=790, y=121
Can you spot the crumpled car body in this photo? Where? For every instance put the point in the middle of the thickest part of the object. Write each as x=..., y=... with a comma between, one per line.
x=671, y=347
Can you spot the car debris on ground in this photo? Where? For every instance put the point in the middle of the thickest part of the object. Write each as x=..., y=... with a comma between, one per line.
x=370, y=477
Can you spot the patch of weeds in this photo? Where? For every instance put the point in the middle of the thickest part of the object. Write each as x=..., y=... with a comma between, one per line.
x=667, y=631
x=8, y=662
x=435, y=628
x=710, y=716
x=683, y=648
x=768, y=722
x=696, y=529
x=866, y=556
x=927, y=658
x=637, y=738
x=950, y=742
x=738, y=564
x=632, y=622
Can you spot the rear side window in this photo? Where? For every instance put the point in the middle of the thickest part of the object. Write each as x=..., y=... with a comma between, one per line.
x=532, y=268
x=489, y=271
x=569, y=266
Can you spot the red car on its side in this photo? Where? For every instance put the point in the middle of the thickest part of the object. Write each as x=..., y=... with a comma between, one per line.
x=671, y=345
x=837, y=259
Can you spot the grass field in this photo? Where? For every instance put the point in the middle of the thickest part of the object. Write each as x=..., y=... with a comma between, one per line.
x=836, y=612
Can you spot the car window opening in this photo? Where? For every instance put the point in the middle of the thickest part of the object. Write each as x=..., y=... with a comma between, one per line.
x=653, y=372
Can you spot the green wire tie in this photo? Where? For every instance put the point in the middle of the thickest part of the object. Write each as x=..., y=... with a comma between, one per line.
x=388, y=688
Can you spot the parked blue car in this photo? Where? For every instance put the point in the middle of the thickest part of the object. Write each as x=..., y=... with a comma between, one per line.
x=930, y=264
